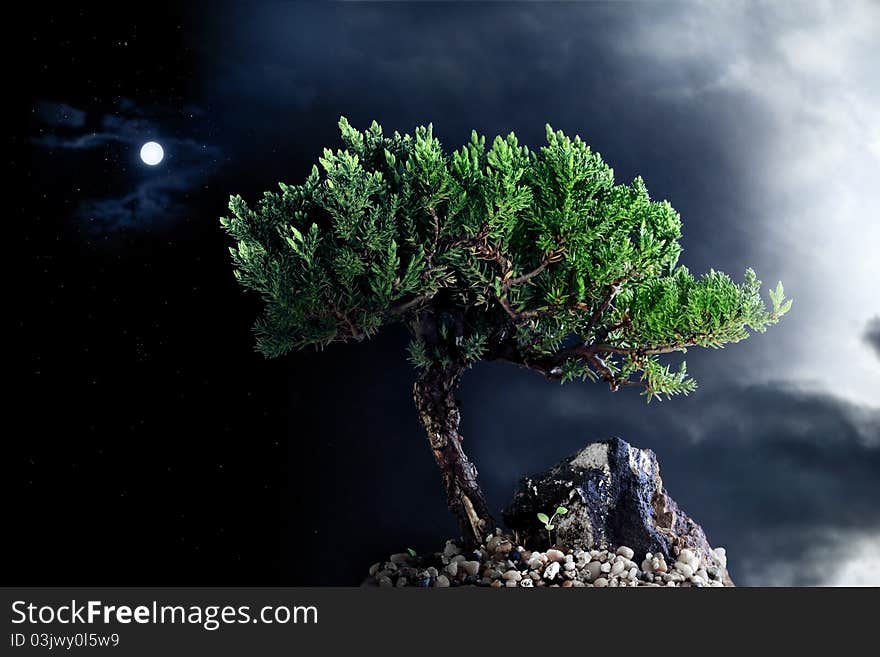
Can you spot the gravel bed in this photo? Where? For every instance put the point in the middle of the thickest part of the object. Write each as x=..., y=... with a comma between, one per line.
x=500, y=563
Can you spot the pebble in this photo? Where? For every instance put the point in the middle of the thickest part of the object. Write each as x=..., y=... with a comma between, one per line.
x=555, y=555
x=684, y=568
x=502, y=563
x=451, y=549
x=470, y=567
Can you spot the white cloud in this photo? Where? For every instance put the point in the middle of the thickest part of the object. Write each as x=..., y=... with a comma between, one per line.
x=833, y=558
x=811, y=70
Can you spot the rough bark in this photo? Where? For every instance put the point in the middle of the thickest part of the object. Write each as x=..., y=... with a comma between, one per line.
x=434, y=395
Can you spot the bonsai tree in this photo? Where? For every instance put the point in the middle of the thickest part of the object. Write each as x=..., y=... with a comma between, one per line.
x=537, y=258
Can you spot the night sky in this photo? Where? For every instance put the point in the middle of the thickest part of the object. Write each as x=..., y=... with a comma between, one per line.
x=150, y=444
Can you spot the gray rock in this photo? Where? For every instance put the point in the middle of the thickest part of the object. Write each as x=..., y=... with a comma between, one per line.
x=470, y=567
x=626, y=552
x=451, y=549
x=615, y=497
x=552, y=570
x=684, y=568
x=555, y=555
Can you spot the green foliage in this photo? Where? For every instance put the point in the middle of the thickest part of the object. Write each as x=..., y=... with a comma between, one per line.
x=548, y=521
x=537, y=257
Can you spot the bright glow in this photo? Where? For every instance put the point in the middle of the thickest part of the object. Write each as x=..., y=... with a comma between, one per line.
x=813, y=161
x=152, y=153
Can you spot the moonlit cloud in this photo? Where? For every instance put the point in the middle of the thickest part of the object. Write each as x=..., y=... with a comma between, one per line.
x=809, y=71
x=872, y=335
x=826, y=557
x=151, y=197
x=60, y=114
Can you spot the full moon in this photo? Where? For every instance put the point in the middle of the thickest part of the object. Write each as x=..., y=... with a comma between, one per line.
x=152, y=153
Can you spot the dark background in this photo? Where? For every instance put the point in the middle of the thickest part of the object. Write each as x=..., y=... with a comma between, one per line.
x=149, y=444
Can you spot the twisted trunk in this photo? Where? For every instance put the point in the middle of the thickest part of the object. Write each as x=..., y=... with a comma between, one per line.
x=434, y=394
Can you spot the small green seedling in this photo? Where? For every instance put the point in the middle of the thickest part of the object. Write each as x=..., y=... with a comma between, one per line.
x=412, y=552
x=548, y=521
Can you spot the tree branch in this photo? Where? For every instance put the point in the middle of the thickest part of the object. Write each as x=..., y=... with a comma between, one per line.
x=402, y=306
x=548, y=259
x=611, y=292
x=550, y=365
x=529, y=276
